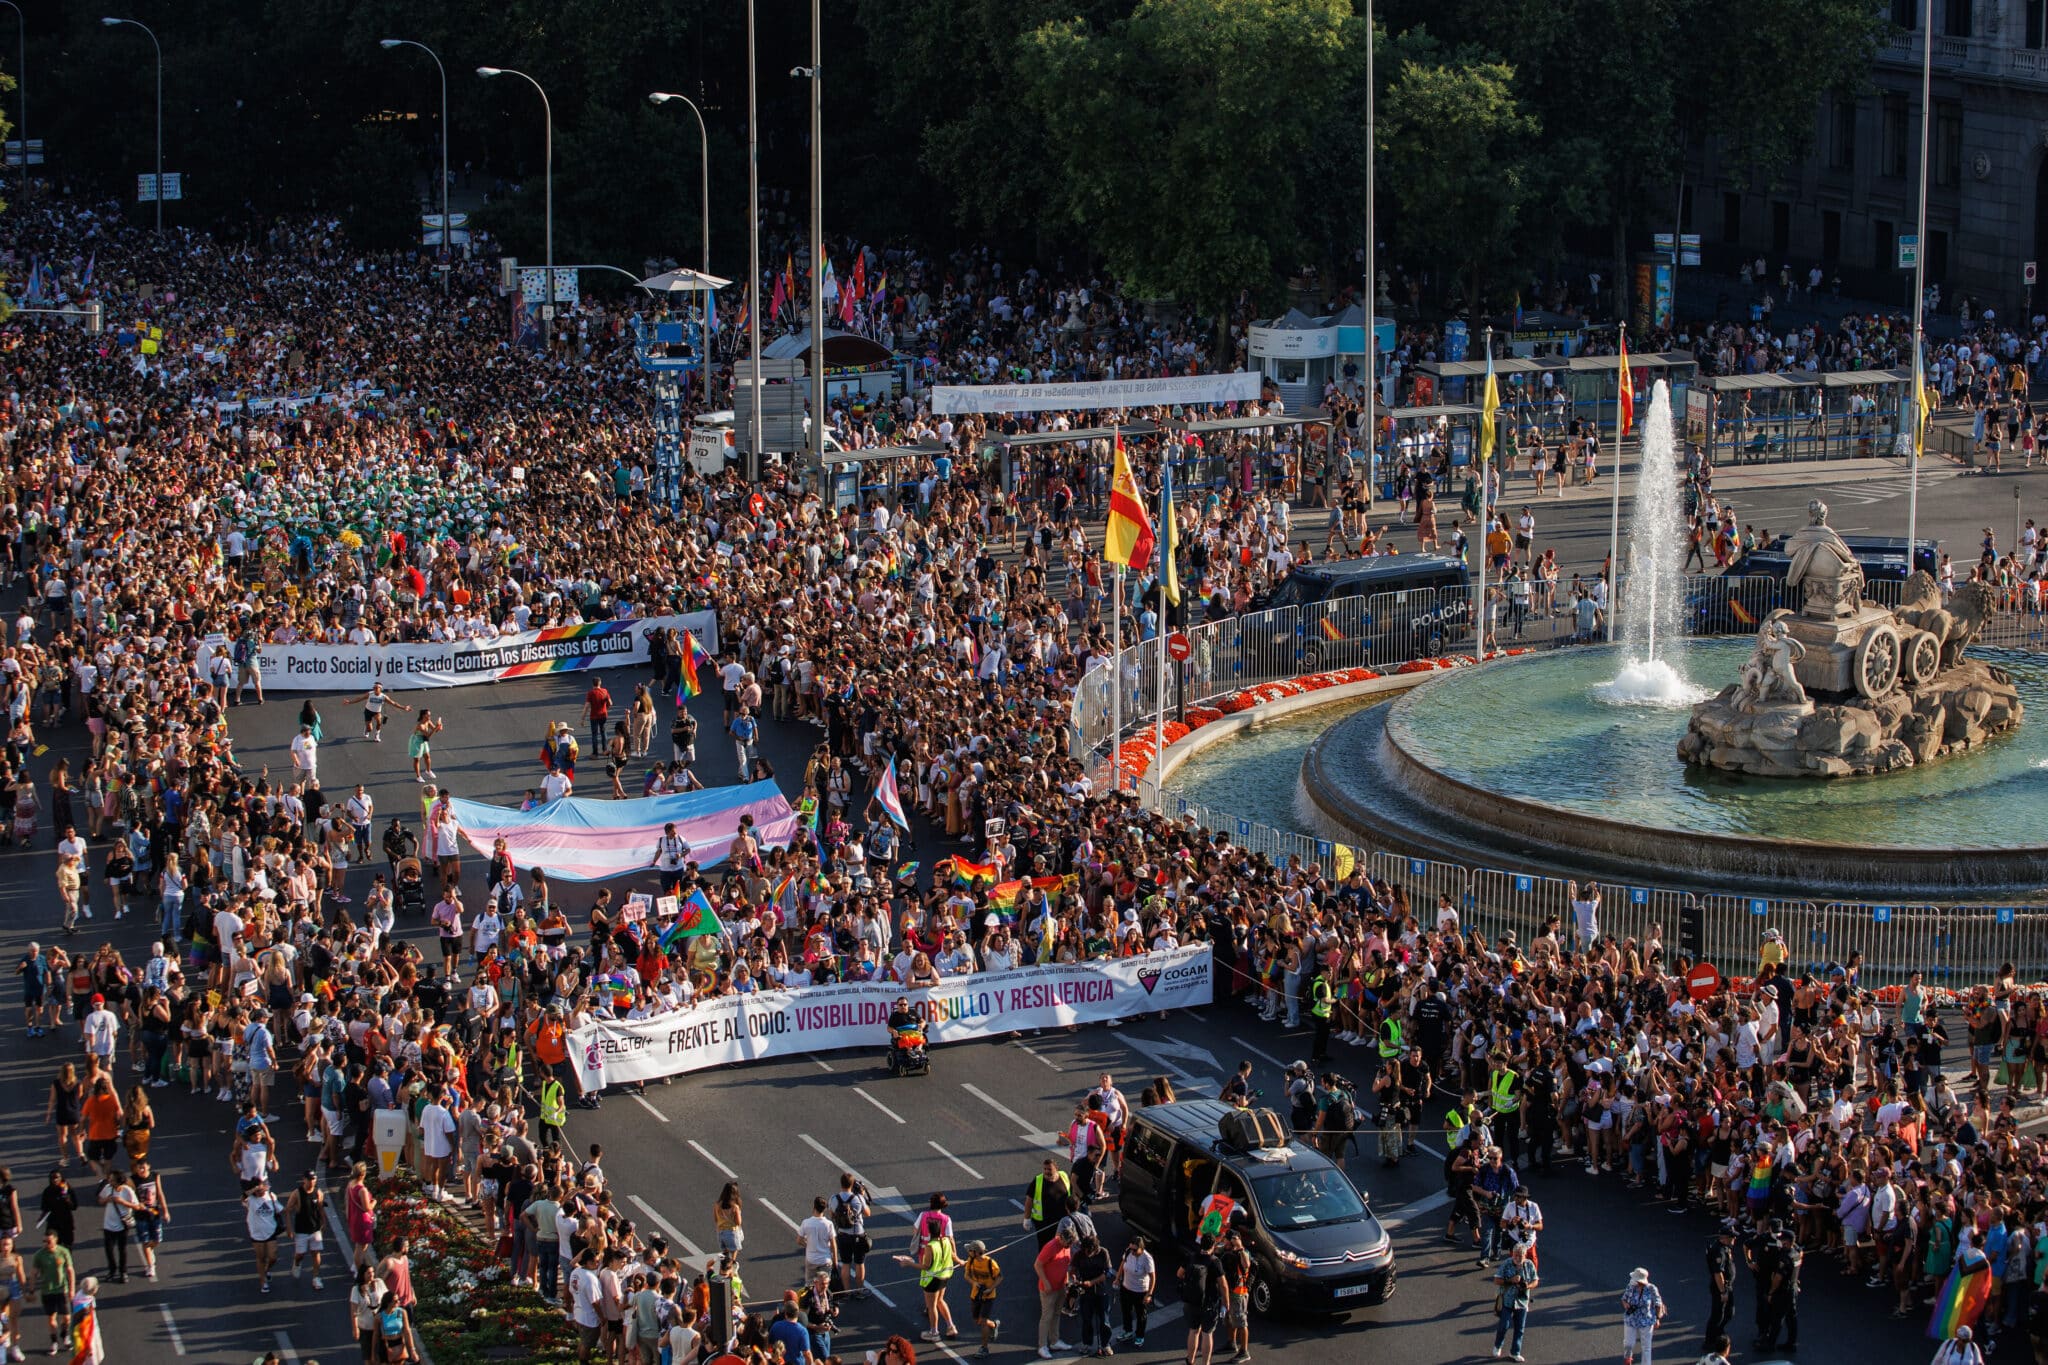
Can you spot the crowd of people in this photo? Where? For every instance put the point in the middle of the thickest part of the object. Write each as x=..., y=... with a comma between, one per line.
x=166, y=520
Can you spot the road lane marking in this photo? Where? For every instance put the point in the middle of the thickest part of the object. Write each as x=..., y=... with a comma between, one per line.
x=698, y=1148
x=1030, y=1133
x=954, y=1159
x=823, y=1065
x=1039, y=1055
x=285, y=1348
x=1425, y=1147
x=171, y=1326
x=862, y=1092
x=788, y=1222
x=650, y=1108
x=1415, y=1209
x=1262, y=1056
x=885, y=1196
x=670, y=1228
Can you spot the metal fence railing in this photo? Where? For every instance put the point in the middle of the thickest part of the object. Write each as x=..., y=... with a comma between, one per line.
x=1952, y=944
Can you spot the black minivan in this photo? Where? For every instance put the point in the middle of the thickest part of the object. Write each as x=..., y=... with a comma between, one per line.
x=1315, y=1244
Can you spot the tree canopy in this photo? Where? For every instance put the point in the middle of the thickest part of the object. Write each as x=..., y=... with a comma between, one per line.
x=1193, y=148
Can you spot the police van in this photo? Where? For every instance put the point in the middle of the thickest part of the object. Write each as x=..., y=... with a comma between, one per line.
x=1315, y=1244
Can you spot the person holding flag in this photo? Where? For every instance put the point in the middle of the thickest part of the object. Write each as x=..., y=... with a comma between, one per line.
x=888, y=797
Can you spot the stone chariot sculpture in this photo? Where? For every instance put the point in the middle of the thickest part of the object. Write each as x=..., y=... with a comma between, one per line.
x=1842, y=686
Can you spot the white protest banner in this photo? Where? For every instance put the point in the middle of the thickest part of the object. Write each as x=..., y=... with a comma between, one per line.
x=1239, y=387
x=767, y=1024
x=458, y=663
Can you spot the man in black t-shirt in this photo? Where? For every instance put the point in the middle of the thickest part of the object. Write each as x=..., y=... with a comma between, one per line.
x=1236, y=1265
x=1201, y=1292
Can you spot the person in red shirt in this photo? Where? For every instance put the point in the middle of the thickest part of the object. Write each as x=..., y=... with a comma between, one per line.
x=1055, y=1258
x=597, y=704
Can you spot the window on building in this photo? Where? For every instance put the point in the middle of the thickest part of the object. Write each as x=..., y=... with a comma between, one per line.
x=2037, y=24
x=1781, y=227
x=1731, y=217
x=1897, y=135
x=1883, y=244
x=1948, y=145
x=1830, y=235
x=1906, y=13
x=1937, y=255
x=1957, y=18
x=1842, y=133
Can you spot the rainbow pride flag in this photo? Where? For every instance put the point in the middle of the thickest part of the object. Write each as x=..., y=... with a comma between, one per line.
x=1962, y=1299
x=968, y=873
x=688, y=683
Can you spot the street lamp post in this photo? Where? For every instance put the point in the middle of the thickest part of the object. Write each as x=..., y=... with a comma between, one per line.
x=549, y=111
x=1914, y=416
x=111, y=22
x=21, y=89
x=815, y=74
x=447, y=230
x=754, y=245
x=704, y=232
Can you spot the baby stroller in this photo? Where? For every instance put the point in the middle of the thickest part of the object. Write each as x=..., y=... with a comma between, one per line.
x=412, y=888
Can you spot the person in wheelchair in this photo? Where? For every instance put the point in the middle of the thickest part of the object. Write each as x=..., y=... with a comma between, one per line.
x=906, y=1036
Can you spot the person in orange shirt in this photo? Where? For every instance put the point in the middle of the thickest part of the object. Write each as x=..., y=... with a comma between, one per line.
x=102, y=1113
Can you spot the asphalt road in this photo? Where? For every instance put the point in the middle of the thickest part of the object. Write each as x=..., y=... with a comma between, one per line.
x=972, y=1129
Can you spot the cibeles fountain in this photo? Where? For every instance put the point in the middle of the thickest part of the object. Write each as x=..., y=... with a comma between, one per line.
x=1616, y=761
x=1843, y=687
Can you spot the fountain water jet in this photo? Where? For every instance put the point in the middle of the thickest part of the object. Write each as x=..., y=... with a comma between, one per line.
x=1651, y=612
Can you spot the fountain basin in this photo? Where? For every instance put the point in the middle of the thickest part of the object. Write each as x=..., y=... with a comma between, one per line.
x=1516, y=765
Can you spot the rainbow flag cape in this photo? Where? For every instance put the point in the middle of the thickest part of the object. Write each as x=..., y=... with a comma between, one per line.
x=781, y=887
x=688, y=683
x=85, y=1331
x=907, y=873
x=1962, y=1299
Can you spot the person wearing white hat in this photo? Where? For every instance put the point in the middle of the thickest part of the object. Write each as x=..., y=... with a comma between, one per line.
x=1642, y=1309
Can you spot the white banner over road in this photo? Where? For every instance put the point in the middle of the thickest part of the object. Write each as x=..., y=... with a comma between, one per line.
x=1239, y=387
x=458, y=663
x=745, y=1028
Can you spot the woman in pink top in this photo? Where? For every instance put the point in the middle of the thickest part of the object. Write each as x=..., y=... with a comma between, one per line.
x=361, y=1207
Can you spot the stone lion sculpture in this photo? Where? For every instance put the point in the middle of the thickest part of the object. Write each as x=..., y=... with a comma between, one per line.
x=1956, y=624
x=1770, y=675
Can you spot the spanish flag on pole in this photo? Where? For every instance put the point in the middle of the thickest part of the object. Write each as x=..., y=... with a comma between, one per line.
x=1128, y=539
x=1625, y=396
x=1489, y=413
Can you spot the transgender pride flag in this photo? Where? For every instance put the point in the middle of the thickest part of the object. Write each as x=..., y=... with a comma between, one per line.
x=891, y=800
x=580, y=840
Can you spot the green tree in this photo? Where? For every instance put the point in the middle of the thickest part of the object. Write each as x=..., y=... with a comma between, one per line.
x=1173, y=136
x=1455, y=139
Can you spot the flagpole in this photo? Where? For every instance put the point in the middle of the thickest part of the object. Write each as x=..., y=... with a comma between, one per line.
x=1116, y=645
x=1914, y=413
x=1486, y=436
x=1159, y=689
x=1614, y=513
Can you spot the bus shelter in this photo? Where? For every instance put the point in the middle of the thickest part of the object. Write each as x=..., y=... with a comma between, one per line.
x=1754, y=418
x=887, y=472
x=1440, y=436
x=1864, y=411
x=1541, y=395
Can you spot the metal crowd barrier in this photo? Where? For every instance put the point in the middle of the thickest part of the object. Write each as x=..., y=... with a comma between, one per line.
x=1953, y=945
